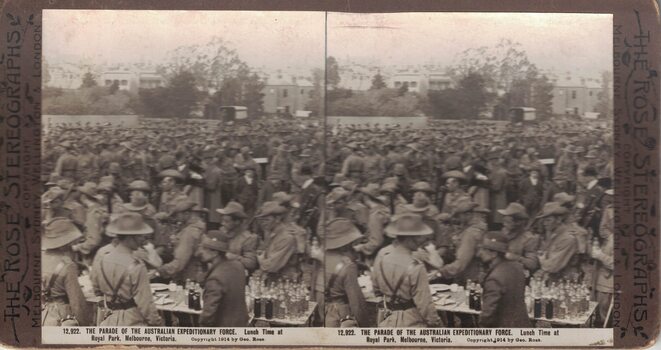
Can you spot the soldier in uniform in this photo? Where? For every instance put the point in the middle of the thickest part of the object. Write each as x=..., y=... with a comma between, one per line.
x=473, y=226
x=522, y=244
x=344, y=300
x=452, y=191
x=503, y=298
x=96, y=216
x=379, y=216
x=603, y=254
x=64, y=303
x=171, y=193
x=67, y=163
x=589, y=204
x=558, y=246
x=401, y=279
x=353, y=166
x=224, y=296
x=184, y=265
x=122, y=279
x=242, y=243
x=279, y=258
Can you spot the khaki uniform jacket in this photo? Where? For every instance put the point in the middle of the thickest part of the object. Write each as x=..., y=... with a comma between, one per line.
x=466, y=266
x=280, y=254
x=135, y=286
x=390, y=264
x=66, y=296
x=345, y=298
x=244, y=245
x=185, y=265
x=378, y=219
x=526, y=245
x=224, y=296
x=559, y=249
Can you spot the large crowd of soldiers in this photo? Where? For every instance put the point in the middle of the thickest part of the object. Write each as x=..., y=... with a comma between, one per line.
x=461, y=202
x=176, y=202
x=455, y=202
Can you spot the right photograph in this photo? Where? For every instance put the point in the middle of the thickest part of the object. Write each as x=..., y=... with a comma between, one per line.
x=470, y=162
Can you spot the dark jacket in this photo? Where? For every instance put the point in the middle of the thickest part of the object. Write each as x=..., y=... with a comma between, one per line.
x=503, y=297
x=225, y=296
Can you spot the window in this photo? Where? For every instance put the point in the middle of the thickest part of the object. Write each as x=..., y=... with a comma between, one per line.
x=108, y=82
x=302, y=92
x=590, y=93
x=573, y=94
x=414, y=84
x=398, y=83
x=124, y=82
x=284, y=93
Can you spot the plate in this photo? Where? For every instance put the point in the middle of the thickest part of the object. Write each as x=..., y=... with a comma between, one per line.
x=158, y=287
x=434, y=288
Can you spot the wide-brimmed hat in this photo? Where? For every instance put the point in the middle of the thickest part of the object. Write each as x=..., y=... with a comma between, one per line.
x=233, y=209
x=563, y=198
x=465, y=205
x=128, y=223
x=340, y=232
x=552, y=208
x=58, y=233
x=515, y=210
x=388, y=187
x=349, y=185
x=422, y=186
x=454, y=174
x=53, y=179
x=139, y=185
x=495, y=241
x=337, y=180
x=336, y=194
x=88, y=188
x=217, y=243
x=407, y=224
x=52, y=194
x=270, y=208
x=282, y=197
x=130, y=207
x=175, y=174
x=371, y=190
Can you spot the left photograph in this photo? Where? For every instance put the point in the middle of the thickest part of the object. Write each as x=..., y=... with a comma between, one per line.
x=182, y=158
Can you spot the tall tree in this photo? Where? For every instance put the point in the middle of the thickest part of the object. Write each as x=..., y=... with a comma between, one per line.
x=332, y=72
x=88, y=80
x=316, y=102
x=378, y=82
x=542, y=98
x=182, y=94
x=500, y=65
x=472, y=96
x=604, y=104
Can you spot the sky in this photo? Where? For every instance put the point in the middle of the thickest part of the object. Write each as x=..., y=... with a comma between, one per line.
x=558, y=42
x=270, y=39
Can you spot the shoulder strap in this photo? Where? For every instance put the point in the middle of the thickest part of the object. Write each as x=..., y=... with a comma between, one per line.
x=116, y=287
x=401, y=279
x=53, y=277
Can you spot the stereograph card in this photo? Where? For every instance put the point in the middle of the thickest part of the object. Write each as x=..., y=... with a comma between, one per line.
x=329, y=174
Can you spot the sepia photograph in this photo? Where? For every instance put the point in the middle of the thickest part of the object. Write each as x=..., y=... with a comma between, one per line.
x=471, y=157
x=182, y=168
